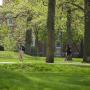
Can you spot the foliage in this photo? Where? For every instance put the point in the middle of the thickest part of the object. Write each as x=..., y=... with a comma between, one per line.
x=36, y=11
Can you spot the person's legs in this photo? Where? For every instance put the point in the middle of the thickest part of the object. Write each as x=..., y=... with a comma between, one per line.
x=21, y=55
x=65, y=57
x=69, y=57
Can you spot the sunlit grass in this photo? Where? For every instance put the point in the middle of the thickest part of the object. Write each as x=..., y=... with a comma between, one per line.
x=8, y=56
x=35, y=74
x=44, y=77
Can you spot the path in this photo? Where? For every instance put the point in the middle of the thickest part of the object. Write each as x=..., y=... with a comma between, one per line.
x=61, y=63
x=7, y=62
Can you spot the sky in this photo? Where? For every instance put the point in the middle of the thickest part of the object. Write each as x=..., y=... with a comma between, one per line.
x=1, y=2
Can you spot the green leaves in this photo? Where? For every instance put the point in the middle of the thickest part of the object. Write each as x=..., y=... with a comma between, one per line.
x=37, y=17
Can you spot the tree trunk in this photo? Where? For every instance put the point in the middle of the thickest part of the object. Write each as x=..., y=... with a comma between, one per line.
x=28, y=41
x=69, y=27
x=36, y=43
x=86, y=57
x=81, y=49
x=51, y=32
x=69, y=30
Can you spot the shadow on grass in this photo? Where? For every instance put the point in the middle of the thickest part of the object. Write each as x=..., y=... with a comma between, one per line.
x=13, y=81
x=17, y=77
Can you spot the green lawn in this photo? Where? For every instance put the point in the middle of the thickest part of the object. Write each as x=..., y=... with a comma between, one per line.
x=13, y=57
x=35, y=74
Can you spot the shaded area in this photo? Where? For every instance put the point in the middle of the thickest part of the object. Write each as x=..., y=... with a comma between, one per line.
x=13, y=81
x=1, y=48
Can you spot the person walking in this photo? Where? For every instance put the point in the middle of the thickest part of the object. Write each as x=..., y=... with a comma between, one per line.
x=68, y=53
x=21, y=52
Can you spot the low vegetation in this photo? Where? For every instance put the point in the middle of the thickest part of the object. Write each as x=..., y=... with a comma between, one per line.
x=35, y=74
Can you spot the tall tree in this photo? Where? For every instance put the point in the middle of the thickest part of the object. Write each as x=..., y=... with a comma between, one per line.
x=87, y=32
x=28, y=41
x=51, y=31
x=69, y=29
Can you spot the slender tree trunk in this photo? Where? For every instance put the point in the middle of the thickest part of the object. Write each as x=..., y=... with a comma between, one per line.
x=69, y=27
x=69, y=30
x=51, y=31
x=36, y=43
x=86, y=57
x=81, y=49
x=28, y=41
x=36, y=32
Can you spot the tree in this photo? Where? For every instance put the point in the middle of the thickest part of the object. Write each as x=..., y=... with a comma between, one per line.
x=38, y=15
x=69, y=29
x=28, y=41
x=86, y=57
x=51, y=32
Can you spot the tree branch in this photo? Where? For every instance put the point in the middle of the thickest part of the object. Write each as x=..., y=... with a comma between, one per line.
x=78, y=6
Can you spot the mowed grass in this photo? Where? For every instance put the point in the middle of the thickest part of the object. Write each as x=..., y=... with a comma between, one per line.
x=35, y=74
x=44, y=77
x=6, y=56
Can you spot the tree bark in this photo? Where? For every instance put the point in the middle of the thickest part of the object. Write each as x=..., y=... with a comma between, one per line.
x=86, y=57
x=69, y=27
x=28, y=41
x=36, y=42
x=69, y=30
x=81, y=49
x=51, y=32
